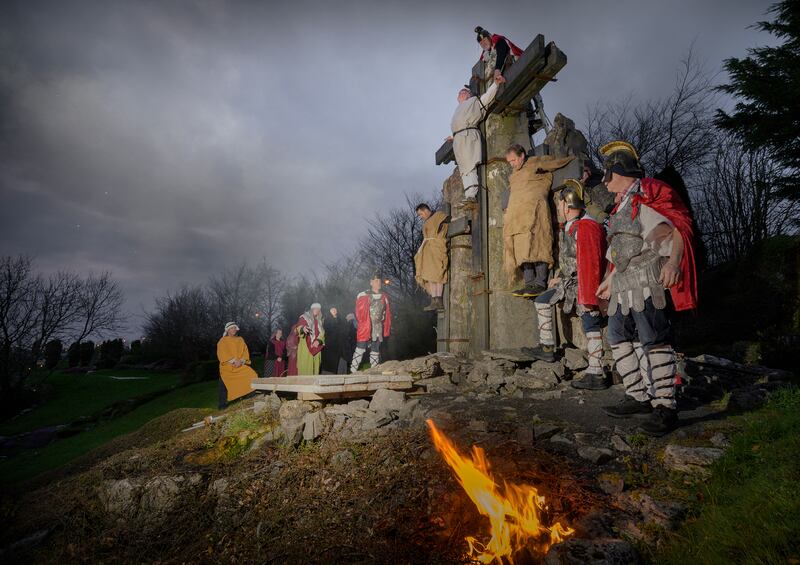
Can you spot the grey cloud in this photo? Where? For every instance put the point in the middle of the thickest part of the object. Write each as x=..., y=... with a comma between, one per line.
x=188, y=136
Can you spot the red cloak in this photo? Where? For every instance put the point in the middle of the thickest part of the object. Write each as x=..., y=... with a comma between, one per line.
x=665, y=200
x=365, y=322
x=516, y=51
x=591, y=250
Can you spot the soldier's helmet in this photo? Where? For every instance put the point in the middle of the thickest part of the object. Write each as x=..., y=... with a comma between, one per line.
x=620, y=157
x=571, y=192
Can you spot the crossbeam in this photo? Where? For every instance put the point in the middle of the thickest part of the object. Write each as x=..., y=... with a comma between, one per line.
x=328, y=385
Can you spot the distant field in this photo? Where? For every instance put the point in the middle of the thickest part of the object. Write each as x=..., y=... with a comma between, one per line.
x=70, y=397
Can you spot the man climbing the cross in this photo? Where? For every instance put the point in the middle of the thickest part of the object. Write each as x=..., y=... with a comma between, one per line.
x=527, y=222
x=431, y=261
x=582, y=264
x=650, y=250
x=497, y=53
x=374, y=317
x=467, y=137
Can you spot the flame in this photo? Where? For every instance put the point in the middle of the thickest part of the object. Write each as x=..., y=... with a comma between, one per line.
x=514, y=511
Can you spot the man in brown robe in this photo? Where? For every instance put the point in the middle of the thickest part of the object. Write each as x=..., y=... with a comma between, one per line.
x=431, y=260
x=527, y=222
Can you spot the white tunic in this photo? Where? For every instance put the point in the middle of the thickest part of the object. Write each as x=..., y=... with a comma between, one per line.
x=467, y=143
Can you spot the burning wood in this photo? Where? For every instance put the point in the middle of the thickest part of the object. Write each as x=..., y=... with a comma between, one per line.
x=514, y=511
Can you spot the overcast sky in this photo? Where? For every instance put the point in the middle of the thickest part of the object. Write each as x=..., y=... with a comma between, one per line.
x=165, y=140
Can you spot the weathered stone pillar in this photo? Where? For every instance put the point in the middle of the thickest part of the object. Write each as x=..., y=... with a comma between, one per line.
x=512, y=320
x=459, y=310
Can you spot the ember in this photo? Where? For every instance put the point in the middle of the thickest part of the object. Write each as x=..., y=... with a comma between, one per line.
x=514, y=511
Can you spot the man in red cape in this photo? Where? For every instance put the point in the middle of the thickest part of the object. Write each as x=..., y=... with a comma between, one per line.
x=582, y=263
x=651, y=251
x=497, y=52
x=374, y=319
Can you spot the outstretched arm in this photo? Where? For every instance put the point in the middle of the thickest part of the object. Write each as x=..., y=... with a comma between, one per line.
x=489, y=95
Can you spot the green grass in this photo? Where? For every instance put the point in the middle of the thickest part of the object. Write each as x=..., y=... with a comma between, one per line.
x=749, y=510
x=31, y=463
x=72, y=396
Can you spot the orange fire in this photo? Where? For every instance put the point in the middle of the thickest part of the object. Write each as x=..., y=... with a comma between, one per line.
x=514, y=511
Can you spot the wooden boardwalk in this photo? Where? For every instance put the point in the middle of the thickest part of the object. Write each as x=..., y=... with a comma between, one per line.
x=321, y=387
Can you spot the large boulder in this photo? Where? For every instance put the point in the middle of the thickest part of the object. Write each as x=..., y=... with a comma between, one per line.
x=691, y=459
x=315, y=424
x=596, y=552
x=292, y=418
x=386, y=399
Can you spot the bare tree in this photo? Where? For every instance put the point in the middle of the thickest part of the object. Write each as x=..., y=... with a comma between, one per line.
x=58, y=306
x=19, y=290
x=738, y=205
x=272, y=285
x=182, y=326
x=675, y=130
x=99, y=307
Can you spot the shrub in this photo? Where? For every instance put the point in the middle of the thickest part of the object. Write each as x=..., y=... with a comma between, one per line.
x=52, y=353
x=74, y=355
x=86, y=349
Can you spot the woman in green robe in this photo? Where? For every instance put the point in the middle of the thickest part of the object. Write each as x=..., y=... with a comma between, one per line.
x=312, y=338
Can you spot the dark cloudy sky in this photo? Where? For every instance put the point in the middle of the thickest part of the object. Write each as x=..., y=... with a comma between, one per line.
x=164, y=140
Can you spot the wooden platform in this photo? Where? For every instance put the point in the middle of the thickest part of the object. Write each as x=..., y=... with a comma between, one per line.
x=320, y=387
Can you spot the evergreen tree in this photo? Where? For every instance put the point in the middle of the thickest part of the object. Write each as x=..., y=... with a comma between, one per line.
x=767, y=83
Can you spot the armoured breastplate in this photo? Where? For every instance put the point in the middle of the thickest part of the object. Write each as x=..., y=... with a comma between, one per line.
x=636, y=267
x=377, y=312
x=568, y=255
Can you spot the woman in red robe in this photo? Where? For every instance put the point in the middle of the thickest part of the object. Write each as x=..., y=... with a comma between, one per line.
x=275, y=365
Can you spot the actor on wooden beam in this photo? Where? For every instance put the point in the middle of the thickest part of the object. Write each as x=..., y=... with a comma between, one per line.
x=582, y=264
x=235, y=374
x=374, y=319
x=311, y=332
x=467, y=137
x=334, y=358
x=527, y=222
x=651, y=248
x=430, y=262
x=497, y=53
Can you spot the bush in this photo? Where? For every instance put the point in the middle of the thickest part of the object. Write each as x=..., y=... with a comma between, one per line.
x=52, y=353
x=110, y=353
x=136, y=348
x=74, y=355
x=86, y=349
x=201, y=371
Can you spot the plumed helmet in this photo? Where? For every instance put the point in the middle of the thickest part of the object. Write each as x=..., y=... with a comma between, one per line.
x=482, y=33
x=571, y=192
x=620, y=157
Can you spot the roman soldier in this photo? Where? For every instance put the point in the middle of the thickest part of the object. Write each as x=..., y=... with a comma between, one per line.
x=652, y=269
x=374, y=318
x=582, y=264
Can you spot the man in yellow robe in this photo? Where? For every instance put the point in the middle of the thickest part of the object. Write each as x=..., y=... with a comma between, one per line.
x=431, y=260
x=527, y=223
x=234, y=366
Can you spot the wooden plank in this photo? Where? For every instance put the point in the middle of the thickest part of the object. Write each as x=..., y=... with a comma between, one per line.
x=531, y=82
x=445, y=153
x=311, y=388
x=333, y=395
x=519, y=74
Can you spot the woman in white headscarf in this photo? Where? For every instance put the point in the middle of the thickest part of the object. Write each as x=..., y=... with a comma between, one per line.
x=312, y=338
x=234, y=366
